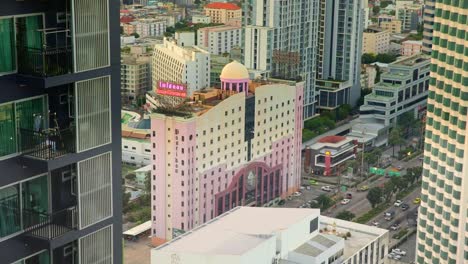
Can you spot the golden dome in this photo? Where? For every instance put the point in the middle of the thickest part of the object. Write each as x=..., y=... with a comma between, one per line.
x=235, y=71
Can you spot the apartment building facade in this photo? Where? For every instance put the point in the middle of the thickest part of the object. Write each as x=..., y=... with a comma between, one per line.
x=219, y=39
x=222, y=12
x=375, y=40
x=280, y=37
x=60, y=193
x=442, y=223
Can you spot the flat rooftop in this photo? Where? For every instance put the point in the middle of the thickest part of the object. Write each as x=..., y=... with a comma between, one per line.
x=317, y=245
x=413, y=60
x=361, y=235
x=237, y=231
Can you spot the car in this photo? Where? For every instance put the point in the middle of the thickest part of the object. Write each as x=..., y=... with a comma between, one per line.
x=391, y=255
x=313, y=182
x=395, y=227
x=417, y=200
x=302, y=187
x=398, y=251
x=421, y=158
x=375, y=223
x=397, y=257
x=326, y=188
x=363, y=188
x=297, y=194
x=389, y=215
x=399, y=168
x=308, y=187
x=348, y=196
x=398, y=203
x=345, y=201
x=404, y=206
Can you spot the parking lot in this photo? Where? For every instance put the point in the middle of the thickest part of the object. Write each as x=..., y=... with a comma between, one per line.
x=307, y=195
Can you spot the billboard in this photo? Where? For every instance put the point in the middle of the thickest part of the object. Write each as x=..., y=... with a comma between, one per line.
x=172, y=89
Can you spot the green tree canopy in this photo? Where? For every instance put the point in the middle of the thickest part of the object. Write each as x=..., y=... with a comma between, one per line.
x=374, y=196
x=345, y=215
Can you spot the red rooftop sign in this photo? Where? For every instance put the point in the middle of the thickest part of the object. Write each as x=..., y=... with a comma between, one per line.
x=172, y=89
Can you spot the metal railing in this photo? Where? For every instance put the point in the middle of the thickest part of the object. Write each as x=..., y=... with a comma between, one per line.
x=48, y=144
x=50, y=226
x=45, y=61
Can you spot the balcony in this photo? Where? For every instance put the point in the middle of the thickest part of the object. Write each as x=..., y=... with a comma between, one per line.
x=47, y=144
x=52, y=58
x=50, y=226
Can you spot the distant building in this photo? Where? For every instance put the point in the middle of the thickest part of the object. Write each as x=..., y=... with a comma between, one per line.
x=222, y=12
x=188, y=66
x=375, y=40
x=150, y=27
x=328, y=154
x=129, y=28
x=411, y=47
x=394, y=26
x=238, y=145
x=219, y=39
x=248, y=235
x=368, y=76
x=196, y=19
x=136, y=141
x=135, y=75
x=403, y=88
x=409, y=14
x=184, y=38
x=141, y=175
x=217, y=65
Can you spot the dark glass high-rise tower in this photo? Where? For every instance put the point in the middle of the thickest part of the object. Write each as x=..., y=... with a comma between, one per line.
x=60, y=193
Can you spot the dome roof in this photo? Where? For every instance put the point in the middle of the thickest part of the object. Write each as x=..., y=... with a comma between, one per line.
x=235, y=70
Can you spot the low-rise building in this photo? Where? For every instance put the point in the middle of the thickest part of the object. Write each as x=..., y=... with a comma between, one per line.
x=219, y=39
x=238, y=145
x=136, y=139
x=223, y=12
x=394, y=26
x=326, y=155
x=411, y=47
x=150, y=27
x=247, y=235
x=197, y=19
x=403, y=88
x=368, y=76
x=375, y=40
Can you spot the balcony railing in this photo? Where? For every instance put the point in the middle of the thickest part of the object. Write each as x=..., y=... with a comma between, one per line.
x=44, y=62
x=50, y=226
x=48, y=144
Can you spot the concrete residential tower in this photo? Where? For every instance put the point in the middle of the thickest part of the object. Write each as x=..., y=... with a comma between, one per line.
x=60, y=182
x=442, y=234
x=339, y=53
x=280, y=37
x=238, y=145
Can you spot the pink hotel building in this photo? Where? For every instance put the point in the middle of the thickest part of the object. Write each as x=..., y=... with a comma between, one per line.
x=238, y=145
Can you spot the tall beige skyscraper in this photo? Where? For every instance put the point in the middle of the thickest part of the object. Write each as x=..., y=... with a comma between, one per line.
x=443, y=225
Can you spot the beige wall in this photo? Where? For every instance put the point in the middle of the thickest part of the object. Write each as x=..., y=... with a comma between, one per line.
x=393, y=26
x=376, y=42
x=222, y=15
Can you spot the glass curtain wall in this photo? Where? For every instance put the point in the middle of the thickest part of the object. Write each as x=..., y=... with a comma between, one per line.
x=7, y=45
x=22, y=205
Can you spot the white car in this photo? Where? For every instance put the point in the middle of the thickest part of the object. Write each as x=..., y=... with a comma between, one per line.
x=302, y=187
x=326, y=188
x=297, y=194
x=375, y=223
x=397, y=257
x=391, y=255
x=399, y=252
x=398, y=203
x=345, y=201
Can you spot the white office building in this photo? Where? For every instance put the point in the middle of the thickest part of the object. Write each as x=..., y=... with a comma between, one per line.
x=219, y=39
x=247, y=235
x=187, y=65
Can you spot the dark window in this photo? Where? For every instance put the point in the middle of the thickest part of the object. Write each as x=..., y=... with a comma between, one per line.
x=313, y=225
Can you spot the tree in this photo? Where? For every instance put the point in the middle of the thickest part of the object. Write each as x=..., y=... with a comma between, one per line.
x=417, y=173
x=388, y=190
x=385, y=58
x=378, y=72
x=135, y=34
x=399, y=183
x=125, y=200
x=197, y=2
x=364, y=92
x=345, y=215
x=384, y=4
x=395, y=138
x=324, y=202
x=376, y=10
x=374, y=196
x=407, y=121
x=130, y=177
x=368, y=58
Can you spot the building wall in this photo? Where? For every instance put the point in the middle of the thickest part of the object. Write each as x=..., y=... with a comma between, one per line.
x=202, y=161
x=136, y=152
x=442, y=216
x=219, y=40
x=428, y=25
x=411, y=48
x=150, y=29
x=376, y=42
x=394, y=26
x=181, y=65
x=222, y=15
x=129, y=29
x=135, y=79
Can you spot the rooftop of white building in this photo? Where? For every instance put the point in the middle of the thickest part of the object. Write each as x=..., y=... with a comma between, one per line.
x=237, y=231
